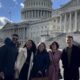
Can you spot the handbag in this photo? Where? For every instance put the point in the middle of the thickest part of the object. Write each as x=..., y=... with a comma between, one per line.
x=40, y=78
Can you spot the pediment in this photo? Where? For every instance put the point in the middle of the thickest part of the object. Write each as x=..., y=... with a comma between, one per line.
x=70, y=4
x=7, y=25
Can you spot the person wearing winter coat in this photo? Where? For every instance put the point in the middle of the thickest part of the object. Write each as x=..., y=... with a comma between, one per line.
x=40, y=62
x=55, y=56
x=71, y=60
x=21, y=58
x=8, y=56
x=25, y=71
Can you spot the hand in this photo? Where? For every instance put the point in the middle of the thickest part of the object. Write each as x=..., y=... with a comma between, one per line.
x=39, y=72
x=2, y=75
x=45, y=70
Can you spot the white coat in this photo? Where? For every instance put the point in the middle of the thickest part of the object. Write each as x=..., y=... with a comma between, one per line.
x=21, y=58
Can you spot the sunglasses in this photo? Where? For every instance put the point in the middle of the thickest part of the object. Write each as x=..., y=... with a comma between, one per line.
x=15, y=38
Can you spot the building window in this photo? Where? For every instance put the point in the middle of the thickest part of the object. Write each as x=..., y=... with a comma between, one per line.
x=39, y=3
x=54, y=20
x=45, y=26
x=42, y=3
x=31, y=3
x=53, y=26
x=58, y=20
x=34, y=3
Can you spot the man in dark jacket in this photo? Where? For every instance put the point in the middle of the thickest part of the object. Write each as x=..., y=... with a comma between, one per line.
x=8, y=55
x=71, y=60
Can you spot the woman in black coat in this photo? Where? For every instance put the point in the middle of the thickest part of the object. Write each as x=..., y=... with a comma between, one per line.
x=41, y=62
x=31, y=48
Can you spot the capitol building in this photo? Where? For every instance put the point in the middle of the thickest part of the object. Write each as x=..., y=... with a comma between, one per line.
x=40, y=22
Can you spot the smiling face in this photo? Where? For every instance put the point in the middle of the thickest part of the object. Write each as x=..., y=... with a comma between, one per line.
x=15, y=39
x=29, y=44
x=69, y=41
x=41, y=47
x=54, y=47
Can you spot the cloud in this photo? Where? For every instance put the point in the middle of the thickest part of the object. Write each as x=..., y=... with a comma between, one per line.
x=22, y=5
x=15, y=1
x=0, y=5
x=3, y=21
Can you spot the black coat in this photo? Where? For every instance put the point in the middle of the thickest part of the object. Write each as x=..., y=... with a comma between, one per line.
x=8, y=56
x=41, y=63
x=75, y=58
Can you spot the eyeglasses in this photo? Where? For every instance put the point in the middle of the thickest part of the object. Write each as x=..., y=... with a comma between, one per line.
x=15, y=38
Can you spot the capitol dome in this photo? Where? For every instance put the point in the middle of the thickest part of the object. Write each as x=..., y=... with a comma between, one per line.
x=36, y=10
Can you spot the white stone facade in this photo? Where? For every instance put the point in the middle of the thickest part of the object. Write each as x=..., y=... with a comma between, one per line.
x=42, y=23
x=36, y=10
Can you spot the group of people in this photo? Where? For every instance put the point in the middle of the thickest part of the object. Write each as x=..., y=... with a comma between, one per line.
x=31, y=61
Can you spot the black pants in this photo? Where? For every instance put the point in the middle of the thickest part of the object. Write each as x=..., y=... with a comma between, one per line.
x=10, y=77
x=71, y=74
x=24, y=72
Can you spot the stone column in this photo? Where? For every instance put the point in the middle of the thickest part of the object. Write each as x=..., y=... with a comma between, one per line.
x=65, y=23
x=38, y=13
x=70, y=26
x=17, y=30
x=44, y=14
x=25, y=15
x=32, y=14
x=35, y=13
x=23, y=31
x=28, y=14
x=60, y=23
x=24, y=34
x=41, y=13
x=47, y=14
x=56, y=23
x=75, y=23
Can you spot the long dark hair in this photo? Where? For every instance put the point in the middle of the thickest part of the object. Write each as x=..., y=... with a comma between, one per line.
x=33, y=46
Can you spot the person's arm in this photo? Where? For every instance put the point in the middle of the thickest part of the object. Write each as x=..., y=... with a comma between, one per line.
x=2, y=77
x=79, y=55
x=3, y=60
x=62, y=57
